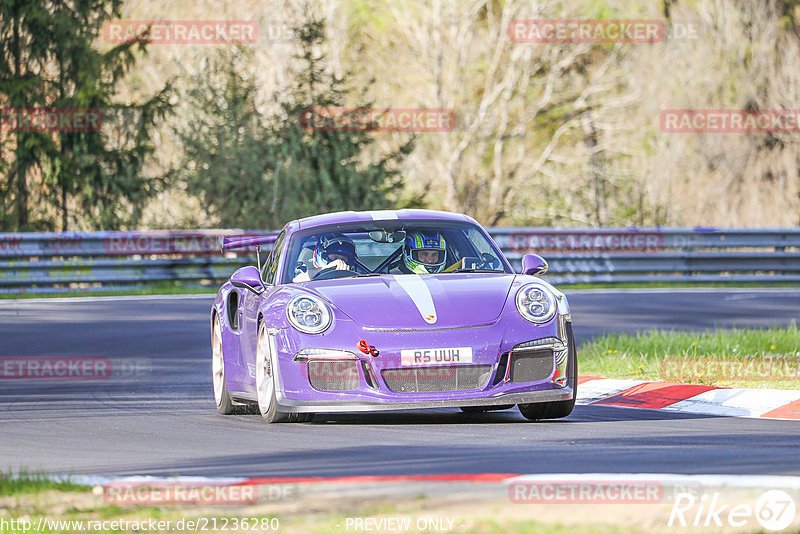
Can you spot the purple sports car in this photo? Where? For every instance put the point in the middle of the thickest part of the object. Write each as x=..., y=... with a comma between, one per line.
x=388, y=310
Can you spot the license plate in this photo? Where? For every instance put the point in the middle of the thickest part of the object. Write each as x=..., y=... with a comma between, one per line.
x=445, y=356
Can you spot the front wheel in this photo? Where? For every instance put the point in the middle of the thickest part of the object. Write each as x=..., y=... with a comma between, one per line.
x=265, y=381
x=265, y=384
x=557, y=409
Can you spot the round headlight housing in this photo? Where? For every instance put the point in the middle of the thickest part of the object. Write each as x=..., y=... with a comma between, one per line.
x=536, y=304
x=308, y=314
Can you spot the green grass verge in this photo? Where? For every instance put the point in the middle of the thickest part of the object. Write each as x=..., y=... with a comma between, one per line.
x=694, y=285
x=477, y=526
x=755, y=358
x=64, y=510
x=178, y=288
x=24, y=483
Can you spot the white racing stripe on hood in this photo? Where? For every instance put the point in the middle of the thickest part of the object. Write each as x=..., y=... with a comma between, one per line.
x=378, y=215
x=420, y=294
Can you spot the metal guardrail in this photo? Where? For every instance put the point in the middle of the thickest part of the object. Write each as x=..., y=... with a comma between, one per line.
x=91, y=261
x=639, y=255
x=59, y=262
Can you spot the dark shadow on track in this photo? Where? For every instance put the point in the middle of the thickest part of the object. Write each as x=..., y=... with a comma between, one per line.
x=665, y=454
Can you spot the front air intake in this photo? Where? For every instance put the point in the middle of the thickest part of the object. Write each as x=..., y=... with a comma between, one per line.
x=531, y=365
x=436, y=378
x=333, y=375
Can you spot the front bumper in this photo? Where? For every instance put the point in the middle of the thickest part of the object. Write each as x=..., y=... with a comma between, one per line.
x=294, y=394
x=346, y=405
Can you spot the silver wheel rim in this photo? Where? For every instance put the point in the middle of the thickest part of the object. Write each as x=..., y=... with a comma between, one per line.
x=264, y=383
x=217, y=363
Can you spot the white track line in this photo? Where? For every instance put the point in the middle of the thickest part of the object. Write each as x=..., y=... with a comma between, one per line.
x=736, y=402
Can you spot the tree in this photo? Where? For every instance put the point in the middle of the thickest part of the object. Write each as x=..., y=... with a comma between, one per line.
x=253, y=170
x=326, y=165
x=226, y=153
x=23, y=55
x=517, y=105
x=48, y=61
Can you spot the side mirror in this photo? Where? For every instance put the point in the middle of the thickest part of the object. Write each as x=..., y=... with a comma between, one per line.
x=248, y=278
x=533, y=264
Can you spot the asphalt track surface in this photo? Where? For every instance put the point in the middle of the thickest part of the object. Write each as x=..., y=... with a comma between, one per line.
x=159, y=418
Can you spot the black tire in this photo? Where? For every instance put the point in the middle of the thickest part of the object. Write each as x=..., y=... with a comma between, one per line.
x=480, y=409
x=557, y=409
x=226, y=407
x=222, y=398
x=300, y=417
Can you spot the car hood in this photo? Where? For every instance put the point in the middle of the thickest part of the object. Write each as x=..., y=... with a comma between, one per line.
x=419, y=301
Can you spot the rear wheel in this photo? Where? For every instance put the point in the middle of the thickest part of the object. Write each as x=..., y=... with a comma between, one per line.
x=221, y=396
x=557, y=409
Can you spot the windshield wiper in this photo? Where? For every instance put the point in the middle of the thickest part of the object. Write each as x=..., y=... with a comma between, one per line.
x=369, y=274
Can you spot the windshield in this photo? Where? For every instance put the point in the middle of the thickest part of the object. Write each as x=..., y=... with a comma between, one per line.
x=390, y=247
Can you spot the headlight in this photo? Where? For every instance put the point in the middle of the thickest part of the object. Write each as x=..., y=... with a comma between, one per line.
x=308, y=314
x=536, y=304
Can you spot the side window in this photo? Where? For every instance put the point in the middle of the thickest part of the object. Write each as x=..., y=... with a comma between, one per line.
x=272, y=267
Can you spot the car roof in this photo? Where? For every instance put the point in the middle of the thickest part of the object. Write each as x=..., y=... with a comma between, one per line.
x=379, y=215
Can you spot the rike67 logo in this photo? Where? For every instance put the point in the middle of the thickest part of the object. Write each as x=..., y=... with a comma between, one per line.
x=774, y=510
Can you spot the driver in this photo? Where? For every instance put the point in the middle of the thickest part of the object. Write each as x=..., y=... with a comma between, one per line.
x=332, y=251
x=423, y=253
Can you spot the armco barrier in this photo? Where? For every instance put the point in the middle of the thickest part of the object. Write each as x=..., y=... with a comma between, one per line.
x=637, y=255
x=58, y=262
x=90, y=261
